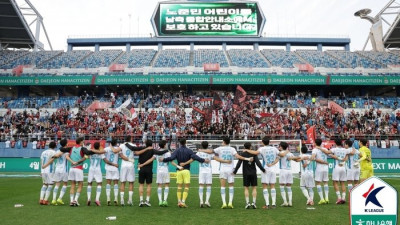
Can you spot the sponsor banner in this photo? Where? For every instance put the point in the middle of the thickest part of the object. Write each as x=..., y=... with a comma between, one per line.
x=51, y=80
x=179, y=79
x=380, y=165
x=241, y=79
x=363, y=80
x=117, y=80
x=296, y=80
x=373, y=202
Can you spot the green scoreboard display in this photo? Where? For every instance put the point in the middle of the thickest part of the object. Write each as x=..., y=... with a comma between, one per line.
x=177, y=19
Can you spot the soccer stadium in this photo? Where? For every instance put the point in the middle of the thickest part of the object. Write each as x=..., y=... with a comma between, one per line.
x=171, y=125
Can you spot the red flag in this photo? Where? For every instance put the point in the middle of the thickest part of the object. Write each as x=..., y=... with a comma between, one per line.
x=217, y=103
x=311, y=134
x=198, y=110
x=240, y=96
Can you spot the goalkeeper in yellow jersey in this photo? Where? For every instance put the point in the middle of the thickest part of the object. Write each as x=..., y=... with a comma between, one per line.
x=365, y=161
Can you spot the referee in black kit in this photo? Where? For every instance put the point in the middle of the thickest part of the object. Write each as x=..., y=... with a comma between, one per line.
x=249, y=175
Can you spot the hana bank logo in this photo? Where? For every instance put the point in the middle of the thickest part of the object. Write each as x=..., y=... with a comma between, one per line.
x=370, y=196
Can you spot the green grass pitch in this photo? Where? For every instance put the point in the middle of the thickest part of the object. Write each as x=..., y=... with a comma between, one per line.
x=25, y=190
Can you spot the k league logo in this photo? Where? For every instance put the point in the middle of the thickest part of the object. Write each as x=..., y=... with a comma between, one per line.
x=373, y=202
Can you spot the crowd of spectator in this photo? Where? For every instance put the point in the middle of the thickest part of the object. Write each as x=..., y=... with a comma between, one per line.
x=169, y=116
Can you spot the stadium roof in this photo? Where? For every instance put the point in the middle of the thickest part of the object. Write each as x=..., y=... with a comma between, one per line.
x=393, y=35
x=14, y=30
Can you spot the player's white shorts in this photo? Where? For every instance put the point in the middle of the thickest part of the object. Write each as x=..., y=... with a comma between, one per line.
x=95, y=175
x=227, y=175
x=127, y=173
x=321, y=175
x=339, y=174
x=58, y=177
x=205, y=178
x=112, y=175
x=47, y=178
x=75, y=174
x=285, y=177
x=353, y=174
x=269, y=177
x=163, y=177
x=307, y=180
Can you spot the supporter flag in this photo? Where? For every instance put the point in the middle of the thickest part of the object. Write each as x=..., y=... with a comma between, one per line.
x=128, y=109
x=240, y=97
x=335, y=107
x=262, y=118
x=220, y=116
x=214, y=117
x=198, y=110
x=217, y=103
x=311, y=134
x=188, y=118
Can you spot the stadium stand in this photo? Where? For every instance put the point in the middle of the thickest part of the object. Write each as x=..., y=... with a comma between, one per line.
x=281, y=58
x=66, y=59
x=7, y=56
x=210, y=56
x=32, y=58
x=247, y=58
x=355, y=60
x=173, y=58
x=102, y=58
x=320, y=59
x=137, y=58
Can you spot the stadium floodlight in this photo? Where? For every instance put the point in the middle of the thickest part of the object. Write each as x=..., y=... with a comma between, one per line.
x=376, y=31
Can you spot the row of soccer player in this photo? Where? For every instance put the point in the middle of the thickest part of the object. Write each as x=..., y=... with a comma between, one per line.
x=54, y=169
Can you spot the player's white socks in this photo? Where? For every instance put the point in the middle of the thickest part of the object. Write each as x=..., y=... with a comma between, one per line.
x=108, y=192
x=55, y=190
x=223, y=195
x=89, y=192
x=166, y=191
x=326, y=189
x=42, y=192
x=231, y=193
x=147, y=198
x=319, y=190
x=141, y=198
x=98, y=192
x=159, y=193
x=283, y=194
x=71, y=197
x=130, y=196
x=350, y=186
x=77, y=196
x=48, y=192
x=311, y=193
x=247, y=200
x=338, y=195
x=289, y=192
x=115, y=192
x=273, y=196
x=201, y=194
x=122, y=194
x=305, y=192
x=208, y=194
x=343, y=195
x=266, y=196
x=62, y=192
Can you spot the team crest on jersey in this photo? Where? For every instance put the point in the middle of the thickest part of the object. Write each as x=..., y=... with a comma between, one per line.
x=373, y=202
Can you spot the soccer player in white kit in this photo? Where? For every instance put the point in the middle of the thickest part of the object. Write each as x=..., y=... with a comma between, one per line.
x=163, y=178
x=127, y=172
x=47, y=173
x=352, y=168
x=339, y=171
x=285, y=173
x=205, y=173
x=112, y=173
x=228, y=153
x=270, y=156
x=319, y=154
x=307, y=175
x=60, y=174
x=95, y=174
